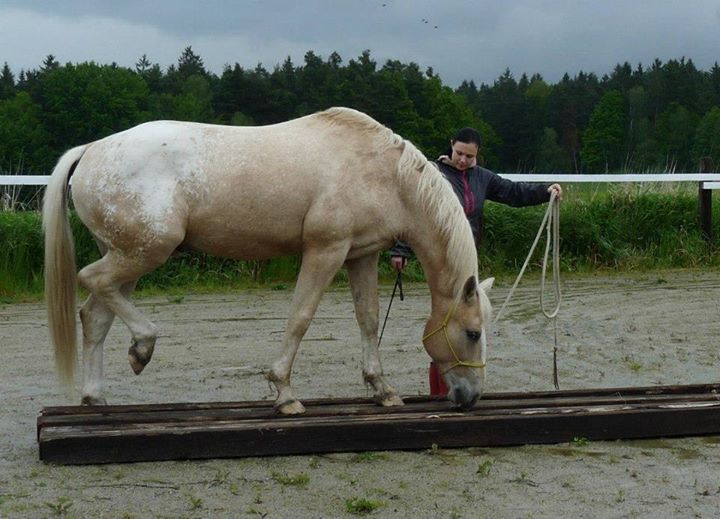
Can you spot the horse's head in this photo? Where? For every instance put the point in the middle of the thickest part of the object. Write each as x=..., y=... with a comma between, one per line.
x=457, y=342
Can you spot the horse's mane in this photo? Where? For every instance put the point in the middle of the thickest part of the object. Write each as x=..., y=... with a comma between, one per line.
x=432, y=191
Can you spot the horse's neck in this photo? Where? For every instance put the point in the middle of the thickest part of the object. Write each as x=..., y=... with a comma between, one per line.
x=441, y=277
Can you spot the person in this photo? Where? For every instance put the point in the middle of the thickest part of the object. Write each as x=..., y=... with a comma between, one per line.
x=473, y=185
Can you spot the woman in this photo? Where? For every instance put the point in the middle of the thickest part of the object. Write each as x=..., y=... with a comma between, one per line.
x=473, y=185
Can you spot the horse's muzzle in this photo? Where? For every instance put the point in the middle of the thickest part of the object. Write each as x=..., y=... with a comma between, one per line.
x=463, y=393
x=463, y=399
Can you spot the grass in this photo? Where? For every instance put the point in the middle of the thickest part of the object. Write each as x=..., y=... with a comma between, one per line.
x=362, y=505
x=298, y=480
x=60, y=507
x=625, y=228
x=485, y=467
x=366, y=457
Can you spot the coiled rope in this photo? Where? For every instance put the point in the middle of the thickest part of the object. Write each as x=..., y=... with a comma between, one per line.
x=551, y=225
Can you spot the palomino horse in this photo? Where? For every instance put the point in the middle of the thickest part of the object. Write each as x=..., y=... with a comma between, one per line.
x=335, y=186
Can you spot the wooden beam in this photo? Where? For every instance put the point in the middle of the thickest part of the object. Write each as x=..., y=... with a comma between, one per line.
x=104, y=434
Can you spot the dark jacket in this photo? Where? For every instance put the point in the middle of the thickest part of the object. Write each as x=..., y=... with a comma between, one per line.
x=475, y=185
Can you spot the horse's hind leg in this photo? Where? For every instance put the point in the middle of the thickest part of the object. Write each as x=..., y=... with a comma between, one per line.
x=316, y=272
x=362, y=273
x=96, y=320
x=106, y=277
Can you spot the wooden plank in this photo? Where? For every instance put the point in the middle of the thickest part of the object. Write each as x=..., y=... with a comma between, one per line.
x=210, y=430
x=305, y=436
x=193, y=406
x=342, y=408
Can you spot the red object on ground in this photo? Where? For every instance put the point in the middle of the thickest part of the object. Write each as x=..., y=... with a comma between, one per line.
x=437, y=382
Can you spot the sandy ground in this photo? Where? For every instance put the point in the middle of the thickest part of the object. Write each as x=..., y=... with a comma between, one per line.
x=653, y=328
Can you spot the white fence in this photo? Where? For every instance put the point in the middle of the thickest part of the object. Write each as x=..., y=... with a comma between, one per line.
x=710, y=180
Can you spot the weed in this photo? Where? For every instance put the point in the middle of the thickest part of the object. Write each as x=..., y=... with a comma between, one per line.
x=523, y=480
x=196, y=503
x=299, y=480
x=61, y=506
x=580, y=441
x=485, y=467
x=365, y=457
x=362, y=506
x=221, y=476
x=620, y=496
x=314, y=463
x=175, y=299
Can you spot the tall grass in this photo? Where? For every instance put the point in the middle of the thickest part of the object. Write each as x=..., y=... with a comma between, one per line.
x=631, y=227
x=623, y=228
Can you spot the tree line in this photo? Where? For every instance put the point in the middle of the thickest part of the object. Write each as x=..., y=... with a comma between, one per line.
x=660, y=118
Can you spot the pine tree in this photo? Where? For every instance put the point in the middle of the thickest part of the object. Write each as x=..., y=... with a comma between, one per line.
x=7, y=83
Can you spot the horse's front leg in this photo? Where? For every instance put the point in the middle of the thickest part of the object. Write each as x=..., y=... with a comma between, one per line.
x=363, y=274
x=316, y=272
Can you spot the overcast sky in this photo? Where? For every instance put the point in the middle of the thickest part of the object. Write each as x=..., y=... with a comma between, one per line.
x=459, y=39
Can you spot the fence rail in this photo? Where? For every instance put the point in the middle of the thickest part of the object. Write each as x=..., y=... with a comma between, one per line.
x=712, y=180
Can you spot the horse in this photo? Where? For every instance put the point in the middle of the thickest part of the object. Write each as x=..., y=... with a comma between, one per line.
x=336, y=187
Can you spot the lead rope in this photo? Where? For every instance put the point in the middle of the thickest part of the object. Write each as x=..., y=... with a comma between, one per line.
x=551, y=224
x=398, y=285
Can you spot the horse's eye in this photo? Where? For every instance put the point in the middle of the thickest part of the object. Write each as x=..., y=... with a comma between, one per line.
x=473, y=335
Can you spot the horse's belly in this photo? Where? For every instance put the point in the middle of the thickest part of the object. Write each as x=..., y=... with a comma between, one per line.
x=243, y=240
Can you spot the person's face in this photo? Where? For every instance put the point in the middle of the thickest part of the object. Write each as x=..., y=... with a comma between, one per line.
x=464, y=155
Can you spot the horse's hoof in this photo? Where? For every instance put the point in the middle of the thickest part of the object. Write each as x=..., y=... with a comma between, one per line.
x=140, y=354
x=389, y=400
x=93, y=400
x=290, y=408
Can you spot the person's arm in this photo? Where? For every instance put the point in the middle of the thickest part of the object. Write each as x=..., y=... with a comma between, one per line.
x=519, y=194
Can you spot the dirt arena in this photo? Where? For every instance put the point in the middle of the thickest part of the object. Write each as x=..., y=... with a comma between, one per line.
x=629, y=330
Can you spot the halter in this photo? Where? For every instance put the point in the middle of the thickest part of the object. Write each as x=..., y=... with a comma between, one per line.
x=443, y=327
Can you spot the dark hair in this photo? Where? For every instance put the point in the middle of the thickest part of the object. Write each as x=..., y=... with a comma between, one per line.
x=468, y=136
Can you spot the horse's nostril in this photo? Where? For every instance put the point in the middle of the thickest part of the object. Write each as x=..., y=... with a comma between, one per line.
x=463, y=398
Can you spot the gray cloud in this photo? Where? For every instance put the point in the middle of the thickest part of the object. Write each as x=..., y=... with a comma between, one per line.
x=474, y=40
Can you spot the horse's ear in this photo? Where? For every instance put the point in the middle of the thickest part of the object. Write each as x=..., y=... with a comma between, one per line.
x=470, y=290
x=487, y=284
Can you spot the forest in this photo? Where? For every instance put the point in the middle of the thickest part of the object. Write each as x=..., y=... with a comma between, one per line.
x=658, y=117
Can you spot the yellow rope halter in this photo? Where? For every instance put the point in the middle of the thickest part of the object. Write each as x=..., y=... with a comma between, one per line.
x=443, y=327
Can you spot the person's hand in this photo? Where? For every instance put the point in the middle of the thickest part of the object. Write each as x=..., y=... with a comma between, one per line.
x=557, y=189
x=398, y=262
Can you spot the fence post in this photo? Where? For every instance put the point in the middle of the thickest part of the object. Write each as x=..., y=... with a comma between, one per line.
x=705, y=201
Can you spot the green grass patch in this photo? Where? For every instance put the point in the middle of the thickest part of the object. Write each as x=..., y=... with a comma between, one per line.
x=602, y=227
x=297, y=480
x=362, y=505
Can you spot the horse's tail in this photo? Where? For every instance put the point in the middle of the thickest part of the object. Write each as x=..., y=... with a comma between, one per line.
x=60, y=273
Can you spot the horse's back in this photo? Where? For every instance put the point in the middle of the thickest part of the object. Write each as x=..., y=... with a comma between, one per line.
x=244, y=192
